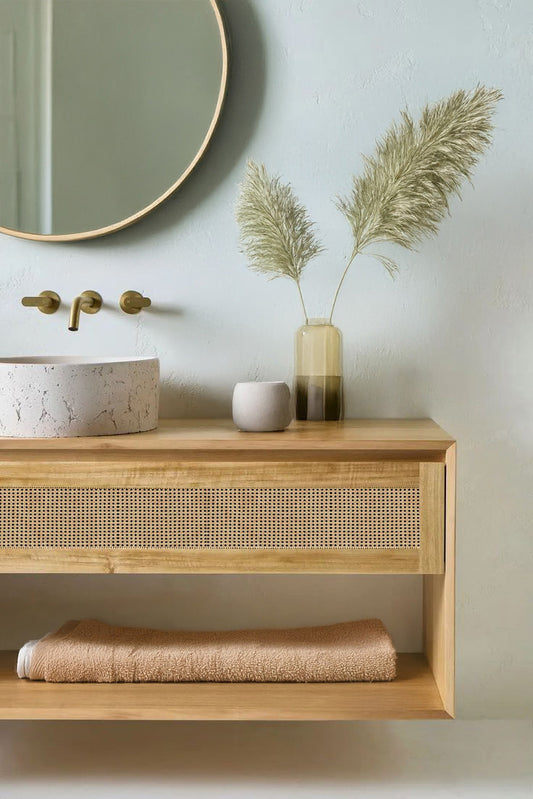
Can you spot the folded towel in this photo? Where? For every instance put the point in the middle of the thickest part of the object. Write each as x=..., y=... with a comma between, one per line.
x=91, y=651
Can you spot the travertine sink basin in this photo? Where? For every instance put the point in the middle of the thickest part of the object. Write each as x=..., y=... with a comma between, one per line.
x=56, y=397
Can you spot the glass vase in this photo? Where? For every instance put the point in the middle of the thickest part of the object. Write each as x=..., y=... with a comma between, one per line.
x=318, y=372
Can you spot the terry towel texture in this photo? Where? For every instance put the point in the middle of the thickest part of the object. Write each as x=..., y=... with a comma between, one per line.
x=91, y=651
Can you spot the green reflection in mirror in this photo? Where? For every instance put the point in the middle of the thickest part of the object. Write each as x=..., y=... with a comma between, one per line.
x=105, y=107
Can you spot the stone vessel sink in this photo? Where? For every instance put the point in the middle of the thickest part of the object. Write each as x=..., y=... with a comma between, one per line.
x=57, y=397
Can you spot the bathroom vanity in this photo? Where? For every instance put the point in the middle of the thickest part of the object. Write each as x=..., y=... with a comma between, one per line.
x=360, y=496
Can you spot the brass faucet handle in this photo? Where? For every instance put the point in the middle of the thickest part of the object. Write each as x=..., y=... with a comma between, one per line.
x=134, y=302
x=46, y=302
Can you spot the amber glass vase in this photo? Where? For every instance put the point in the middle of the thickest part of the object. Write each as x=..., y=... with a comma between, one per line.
x=318, y=371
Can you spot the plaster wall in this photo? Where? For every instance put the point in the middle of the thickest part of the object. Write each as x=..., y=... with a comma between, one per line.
x=313, y=84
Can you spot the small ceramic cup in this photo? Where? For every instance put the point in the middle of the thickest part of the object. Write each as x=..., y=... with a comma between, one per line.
x=262, y=407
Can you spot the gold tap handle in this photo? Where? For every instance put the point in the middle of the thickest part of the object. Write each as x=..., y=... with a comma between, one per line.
x=46, y=302
x=36, y=302
x=133, y=302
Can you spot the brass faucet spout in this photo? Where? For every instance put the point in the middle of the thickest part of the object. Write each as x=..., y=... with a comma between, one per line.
x=75, y=309
x=88, y=302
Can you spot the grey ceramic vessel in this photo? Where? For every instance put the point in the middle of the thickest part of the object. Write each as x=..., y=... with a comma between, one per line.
x=262, y=407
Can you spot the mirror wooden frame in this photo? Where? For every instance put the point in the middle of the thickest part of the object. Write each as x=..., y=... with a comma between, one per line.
x=133, y=218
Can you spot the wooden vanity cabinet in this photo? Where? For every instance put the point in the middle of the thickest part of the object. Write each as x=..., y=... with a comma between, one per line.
x=360, y=496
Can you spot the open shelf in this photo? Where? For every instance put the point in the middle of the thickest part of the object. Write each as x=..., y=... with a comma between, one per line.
x=413, y=695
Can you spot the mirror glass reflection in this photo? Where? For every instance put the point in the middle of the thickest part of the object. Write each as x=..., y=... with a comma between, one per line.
x=104, y=106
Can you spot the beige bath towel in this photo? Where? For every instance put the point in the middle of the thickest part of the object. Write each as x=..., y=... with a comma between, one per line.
x=90, y=651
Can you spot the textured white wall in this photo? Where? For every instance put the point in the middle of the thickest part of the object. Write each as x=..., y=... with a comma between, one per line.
x=313, y=84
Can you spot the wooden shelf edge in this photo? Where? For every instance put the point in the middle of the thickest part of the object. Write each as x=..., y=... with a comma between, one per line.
x=209, y=561
x=413, y=695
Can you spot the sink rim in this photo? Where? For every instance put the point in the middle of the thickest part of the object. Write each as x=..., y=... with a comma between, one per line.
x=74, y=360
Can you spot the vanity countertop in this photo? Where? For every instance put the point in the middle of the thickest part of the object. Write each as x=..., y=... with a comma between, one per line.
x=184, y=436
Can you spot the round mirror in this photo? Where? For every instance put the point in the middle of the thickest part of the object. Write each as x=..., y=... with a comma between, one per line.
x=106, y=106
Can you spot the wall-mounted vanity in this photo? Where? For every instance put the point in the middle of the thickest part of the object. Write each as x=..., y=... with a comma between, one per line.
x=369, y=496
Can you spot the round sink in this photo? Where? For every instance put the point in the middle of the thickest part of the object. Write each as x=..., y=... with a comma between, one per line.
x=61, y=396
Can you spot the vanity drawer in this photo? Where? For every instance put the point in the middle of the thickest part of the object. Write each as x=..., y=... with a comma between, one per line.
x=385, y=516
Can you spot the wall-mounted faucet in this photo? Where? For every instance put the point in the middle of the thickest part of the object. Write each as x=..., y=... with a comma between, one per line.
x=88, y=302
x=134, y=302
x=46, y=302
x=131, y=302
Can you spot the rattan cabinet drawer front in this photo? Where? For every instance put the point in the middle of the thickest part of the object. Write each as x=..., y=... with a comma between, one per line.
x=384, y=515
x=218, y=518
x=385, y=509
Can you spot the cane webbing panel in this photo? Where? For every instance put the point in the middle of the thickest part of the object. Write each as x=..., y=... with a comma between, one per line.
x=210, y=518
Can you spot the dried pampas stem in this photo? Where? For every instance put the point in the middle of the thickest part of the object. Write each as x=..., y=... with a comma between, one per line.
x=276, y=232
x=403, y=192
